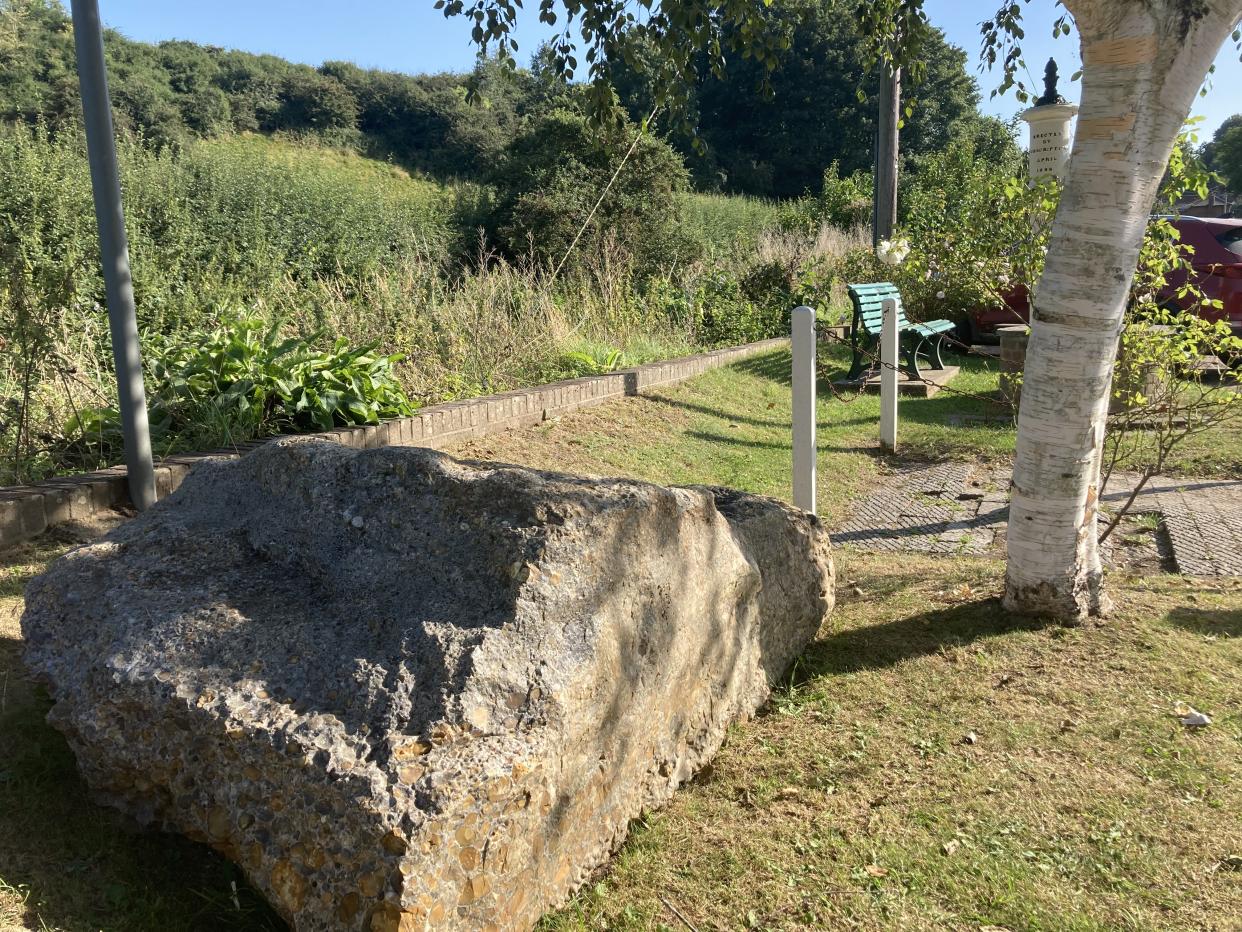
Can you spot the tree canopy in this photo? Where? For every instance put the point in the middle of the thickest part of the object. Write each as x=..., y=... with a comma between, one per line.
x=1224, y=153
x=771, y=126
x=174, y=90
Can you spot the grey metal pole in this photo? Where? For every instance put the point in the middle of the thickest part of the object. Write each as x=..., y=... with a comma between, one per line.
x=114, y=250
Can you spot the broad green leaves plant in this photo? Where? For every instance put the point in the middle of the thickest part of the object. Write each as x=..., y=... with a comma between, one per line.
x=245, y=380
x=593, y=360
x=278, y=383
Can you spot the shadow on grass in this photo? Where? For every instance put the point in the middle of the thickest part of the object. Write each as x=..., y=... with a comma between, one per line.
x=938, y=410
x=778, y=423
x=932, y=411
x=1221, y=622
x=719, y=412
x=83, y=866
x=775, y=367
x=874, y=647
x=872, y=450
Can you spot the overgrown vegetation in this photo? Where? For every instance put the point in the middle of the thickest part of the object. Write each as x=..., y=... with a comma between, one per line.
x=554, y=173
x=471, y=229
x=454, y=281
x=764, y=144
x=494, y=246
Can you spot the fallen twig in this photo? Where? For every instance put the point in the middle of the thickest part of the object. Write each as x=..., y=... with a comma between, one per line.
x=677, y=912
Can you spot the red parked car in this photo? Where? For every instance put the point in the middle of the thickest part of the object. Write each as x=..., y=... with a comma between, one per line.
x=1217, y=263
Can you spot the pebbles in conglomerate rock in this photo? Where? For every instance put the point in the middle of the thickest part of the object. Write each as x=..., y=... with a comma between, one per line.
x=406, y=692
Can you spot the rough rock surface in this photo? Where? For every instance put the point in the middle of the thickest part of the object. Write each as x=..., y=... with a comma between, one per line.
x=406, y=692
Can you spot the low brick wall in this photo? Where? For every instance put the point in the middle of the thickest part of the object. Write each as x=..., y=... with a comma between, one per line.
x=27, y=511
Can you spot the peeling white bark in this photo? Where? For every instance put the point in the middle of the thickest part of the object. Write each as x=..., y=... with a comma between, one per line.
x=1143, y=62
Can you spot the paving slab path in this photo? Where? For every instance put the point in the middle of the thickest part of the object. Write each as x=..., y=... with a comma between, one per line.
x=963, y=508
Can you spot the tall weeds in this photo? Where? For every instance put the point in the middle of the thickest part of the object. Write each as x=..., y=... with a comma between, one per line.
x=330, y=243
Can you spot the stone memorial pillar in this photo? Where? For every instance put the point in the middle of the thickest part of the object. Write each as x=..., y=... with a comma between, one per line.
x=1049, y=122
x=1048, y=154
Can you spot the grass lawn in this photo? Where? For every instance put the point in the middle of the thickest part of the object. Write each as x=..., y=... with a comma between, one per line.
x=732, y=427
x=931, y=763
x=937, y=764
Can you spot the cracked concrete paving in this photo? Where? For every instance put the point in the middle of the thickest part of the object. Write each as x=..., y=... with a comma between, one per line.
x=963, y=508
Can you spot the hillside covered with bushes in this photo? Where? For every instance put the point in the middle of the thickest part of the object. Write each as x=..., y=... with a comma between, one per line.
x=332, y=245
x=773, y=141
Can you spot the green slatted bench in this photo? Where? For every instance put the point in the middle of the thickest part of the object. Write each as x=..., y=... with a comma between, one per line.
x=914, y=340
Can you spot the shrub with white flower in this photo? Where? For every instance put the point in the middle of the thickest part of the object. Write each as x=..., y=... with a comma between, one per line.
x=968, y=218
x=892, y=251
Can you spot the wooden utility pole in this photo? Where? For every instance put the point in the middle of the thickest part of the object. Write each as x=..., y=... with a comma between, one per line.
x=884, y=214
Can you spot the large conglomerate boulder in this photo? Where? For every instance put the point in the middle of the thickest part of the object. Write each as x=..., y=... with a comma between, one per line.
x=408, y=692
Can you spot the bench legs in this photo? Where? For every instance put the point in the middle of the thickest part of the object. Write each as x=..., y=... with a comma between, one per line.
x=912, y=359
x=857, y=362
x=915, y=347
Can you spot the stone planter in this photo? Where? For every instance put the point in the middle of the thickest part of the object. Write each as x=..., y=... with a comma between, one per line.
x=836, y=333
x=1013, y=341
x=1129, y=380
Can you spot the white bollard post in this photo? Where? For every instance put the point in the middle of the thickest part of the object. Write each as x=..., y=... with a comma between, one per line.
x=803, y=345
x=888, y=376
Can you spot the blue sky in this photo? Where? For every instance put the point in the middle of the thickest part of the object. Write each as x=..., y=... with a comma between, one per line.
x=411, y=36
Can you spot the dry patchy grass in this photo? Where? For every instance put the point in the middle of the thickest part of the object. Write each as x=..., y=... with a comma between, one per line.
x=936, y=763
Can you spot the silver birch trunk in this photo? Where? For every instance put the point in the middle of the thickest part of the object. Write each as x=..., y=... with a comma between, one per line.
x=1143, y=62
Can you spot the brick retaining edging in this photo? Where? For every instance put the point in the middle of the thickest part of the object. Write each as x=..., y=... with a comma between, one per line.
x=28, y=511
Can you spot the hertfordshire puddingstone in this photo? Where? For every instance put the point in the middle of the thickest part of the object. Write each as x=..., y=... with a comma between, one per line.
x=404, y=691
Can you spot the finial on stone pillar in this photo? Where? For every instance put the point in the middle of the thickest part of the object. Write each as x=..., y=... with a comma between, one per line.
x=1050, y=86
x=1049, y=119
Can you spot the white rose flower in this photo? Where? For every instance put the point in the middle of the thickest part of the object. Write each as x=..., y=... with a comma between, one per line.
x=892, y=252
x=939, y=295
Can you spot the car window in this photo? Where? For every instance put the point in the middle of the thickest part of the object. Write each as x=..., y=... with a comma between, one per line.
x=1232, y=240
